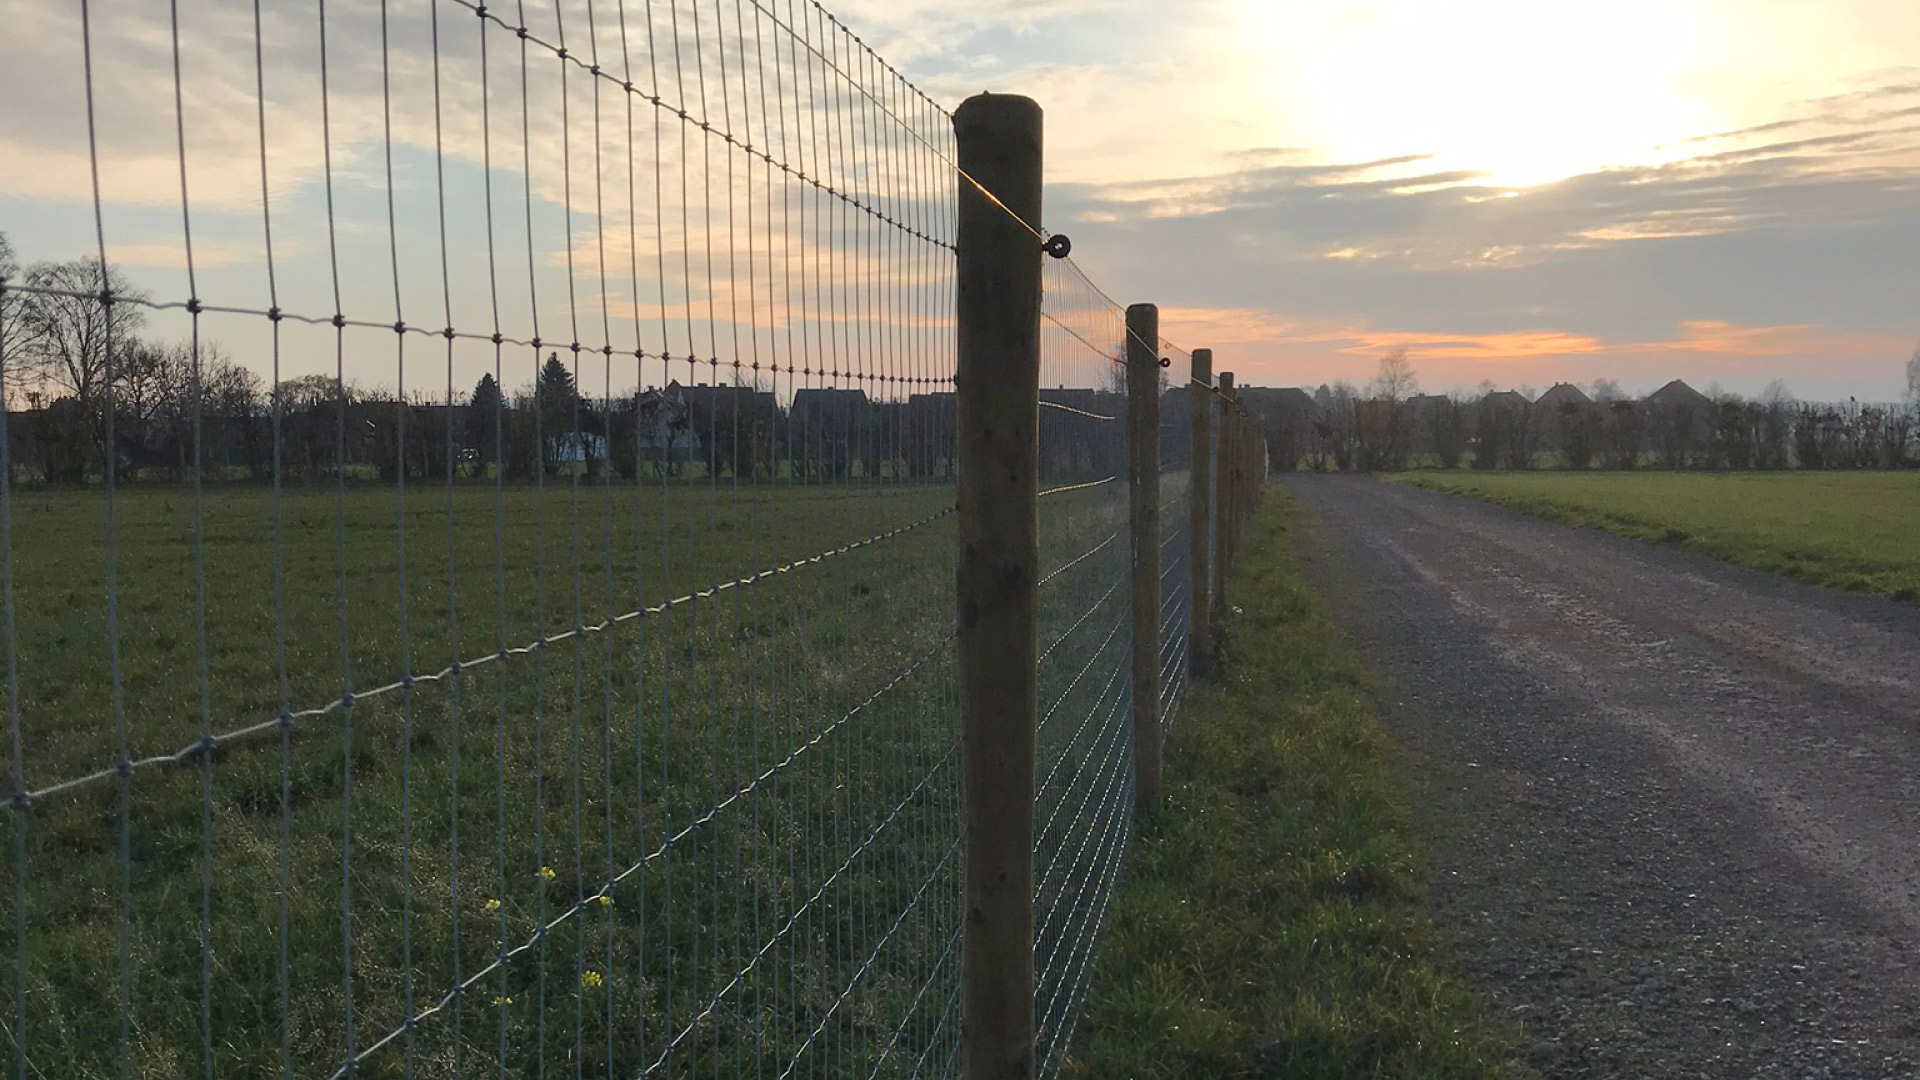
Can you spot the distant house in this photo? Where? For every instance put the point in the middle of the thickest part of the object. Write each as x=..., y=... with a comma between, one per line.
x=1297, y=397
x=724, y=401
x=1421, y=406
x=826, y=409
x=932, y=403
x=1279, y=404
x=1556, y=410
x=1677, y=393
x=832, y=429
x=665, y=422
x=1561, y=394
x=1279, y=400
x=736, y=423
x=1679, y=423
x=1285, y=413
x=1506, y=399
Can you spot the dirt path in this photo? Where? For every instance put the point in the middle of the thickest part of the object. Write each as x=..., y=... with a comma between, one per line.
x=1676, y=805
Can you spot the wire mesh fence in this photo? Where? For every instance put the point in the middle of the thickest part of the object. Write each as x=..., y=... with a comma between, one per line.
x=1085, y=804
x=1176, y=542
x=511, y=632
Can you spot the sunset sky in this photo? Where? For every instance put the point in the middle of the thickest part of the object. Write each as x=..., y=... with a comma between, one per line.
x=1521, y=191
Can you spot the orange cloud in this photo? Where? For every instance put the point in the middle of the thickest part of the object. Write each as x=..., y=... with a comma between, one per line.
x=1243, y=326
x=1510, y=345
x=1268, y=347
x=1798, y=339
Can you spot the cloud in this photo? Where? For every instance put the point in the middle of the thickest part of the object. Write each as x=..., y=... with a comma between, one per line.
x=1183, y=171
x=1714, y=338
x=430, y=87
x=1452, y=219
x=1275, y=350
x=1766, y=252
x=172, y=255
x=499, y=181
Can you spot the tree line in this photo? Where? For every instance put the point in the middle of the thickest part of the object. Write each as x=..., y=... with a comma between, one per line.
x=1387, y=426
x=86, y=389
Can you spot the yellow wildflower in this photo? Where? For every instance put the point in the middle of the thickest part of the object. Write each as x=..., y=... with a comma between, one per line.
x=591, y=980
x=493, y=905
x=546, y=873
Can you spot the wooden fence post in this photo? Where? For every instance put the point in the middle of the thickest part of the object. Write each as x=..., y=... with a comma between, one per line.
x=1200, y=513
x=1143, y=472
x=997, y=323
x=1224, y=509
x=1242, y=439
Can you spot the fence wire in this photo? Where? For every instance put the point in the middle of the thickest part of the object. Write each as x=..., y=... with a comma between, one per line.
x=484, y=606
x=1084, y=812
x=1176, y=533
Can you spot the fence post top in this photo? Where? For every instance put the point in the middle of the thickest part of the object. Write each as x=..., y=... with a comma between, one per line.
x=1143, y=335
x=988, y=108
x=1202, y=365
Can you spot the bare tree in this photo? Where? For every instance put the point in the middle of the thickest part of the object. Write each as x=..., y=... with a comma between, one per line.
x=1396, y=381
x=72, y=335
x=14, y=341
x=231, y=428
x=1913, y=379
x=1387, y=433
x=150, y=387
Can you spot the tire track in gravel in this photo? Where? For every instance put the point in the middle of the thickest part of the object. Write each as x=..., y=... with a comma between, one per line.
x=1674, y=805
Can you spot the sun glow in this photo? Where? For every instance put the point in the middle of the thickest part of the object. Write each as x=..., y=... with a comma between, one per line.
x=1523, y=92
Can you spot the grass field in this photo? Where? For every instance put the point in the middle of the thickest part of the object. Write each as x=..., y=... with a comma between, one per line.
x=768, y=775
x=1272, y=921
x=1846, y=530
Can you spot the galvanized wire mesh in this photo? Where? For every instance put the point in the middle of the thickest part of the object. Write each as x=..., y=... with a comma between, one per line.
x=604, y=725
x=1084, y=813
x=543, y=663
x=1176, y=529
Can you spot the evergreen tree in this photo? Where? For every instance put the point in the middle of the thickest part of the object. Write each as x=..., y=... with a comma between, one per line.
x=556, y=392
x=481, y=419
x=555, y=397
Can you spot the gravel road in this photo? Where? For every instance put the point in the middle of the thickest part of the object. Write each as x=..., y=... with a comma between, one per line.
x=1674, y=805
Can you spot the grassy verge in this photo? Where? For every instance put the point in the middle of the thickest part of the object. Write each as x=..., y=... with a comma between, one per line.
x=1273, y=921
x=1842, y=530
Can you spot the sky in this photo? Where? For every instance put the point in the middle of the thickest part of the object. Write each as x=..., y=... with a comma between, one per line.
x=1514, y=191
